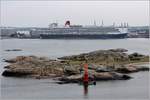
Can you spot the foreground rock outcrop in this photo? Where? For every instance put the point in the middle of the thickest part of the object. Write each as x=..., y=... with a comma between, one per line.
x=113, y=64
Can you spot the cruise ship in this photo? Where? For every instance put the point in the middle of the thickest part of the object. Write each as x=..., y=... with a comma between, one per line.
x=81, y=32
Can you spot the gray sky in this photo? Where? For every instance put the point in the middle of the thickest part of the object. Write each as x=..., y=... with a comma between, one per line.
x=41, y=13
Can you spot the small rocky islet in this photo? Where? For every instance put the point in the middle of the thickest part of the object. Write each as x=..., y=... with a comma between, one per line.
x=112, y=64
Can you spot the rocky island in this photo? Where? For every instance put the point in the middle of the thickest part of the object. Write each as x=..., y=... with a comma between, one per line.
x=112, y=64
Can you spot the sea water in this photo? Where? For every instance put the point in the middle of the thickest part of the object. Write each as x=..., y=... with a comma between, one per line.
x=21, y=88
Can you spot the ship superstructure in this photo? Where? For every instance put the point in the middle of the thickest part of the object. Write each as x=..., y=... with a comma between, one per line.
x=80, y=32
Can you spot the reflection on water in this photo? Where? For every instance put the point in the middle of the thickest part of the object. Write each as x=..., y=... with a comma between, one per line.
x=46, y=89
x=85, y=90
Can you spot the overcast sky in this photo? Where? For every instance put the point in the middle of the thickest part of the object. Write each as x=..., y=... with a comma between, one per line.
x=41, y=13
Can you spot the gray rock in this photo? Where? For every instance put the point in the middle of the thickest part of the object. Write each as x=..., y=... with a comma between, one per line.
x=13, y=50
x=70, y=70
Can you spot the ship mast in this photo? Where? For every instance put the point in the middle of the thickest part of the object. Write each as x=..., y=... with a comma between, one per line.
x=102, y=24
x=94, y=23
